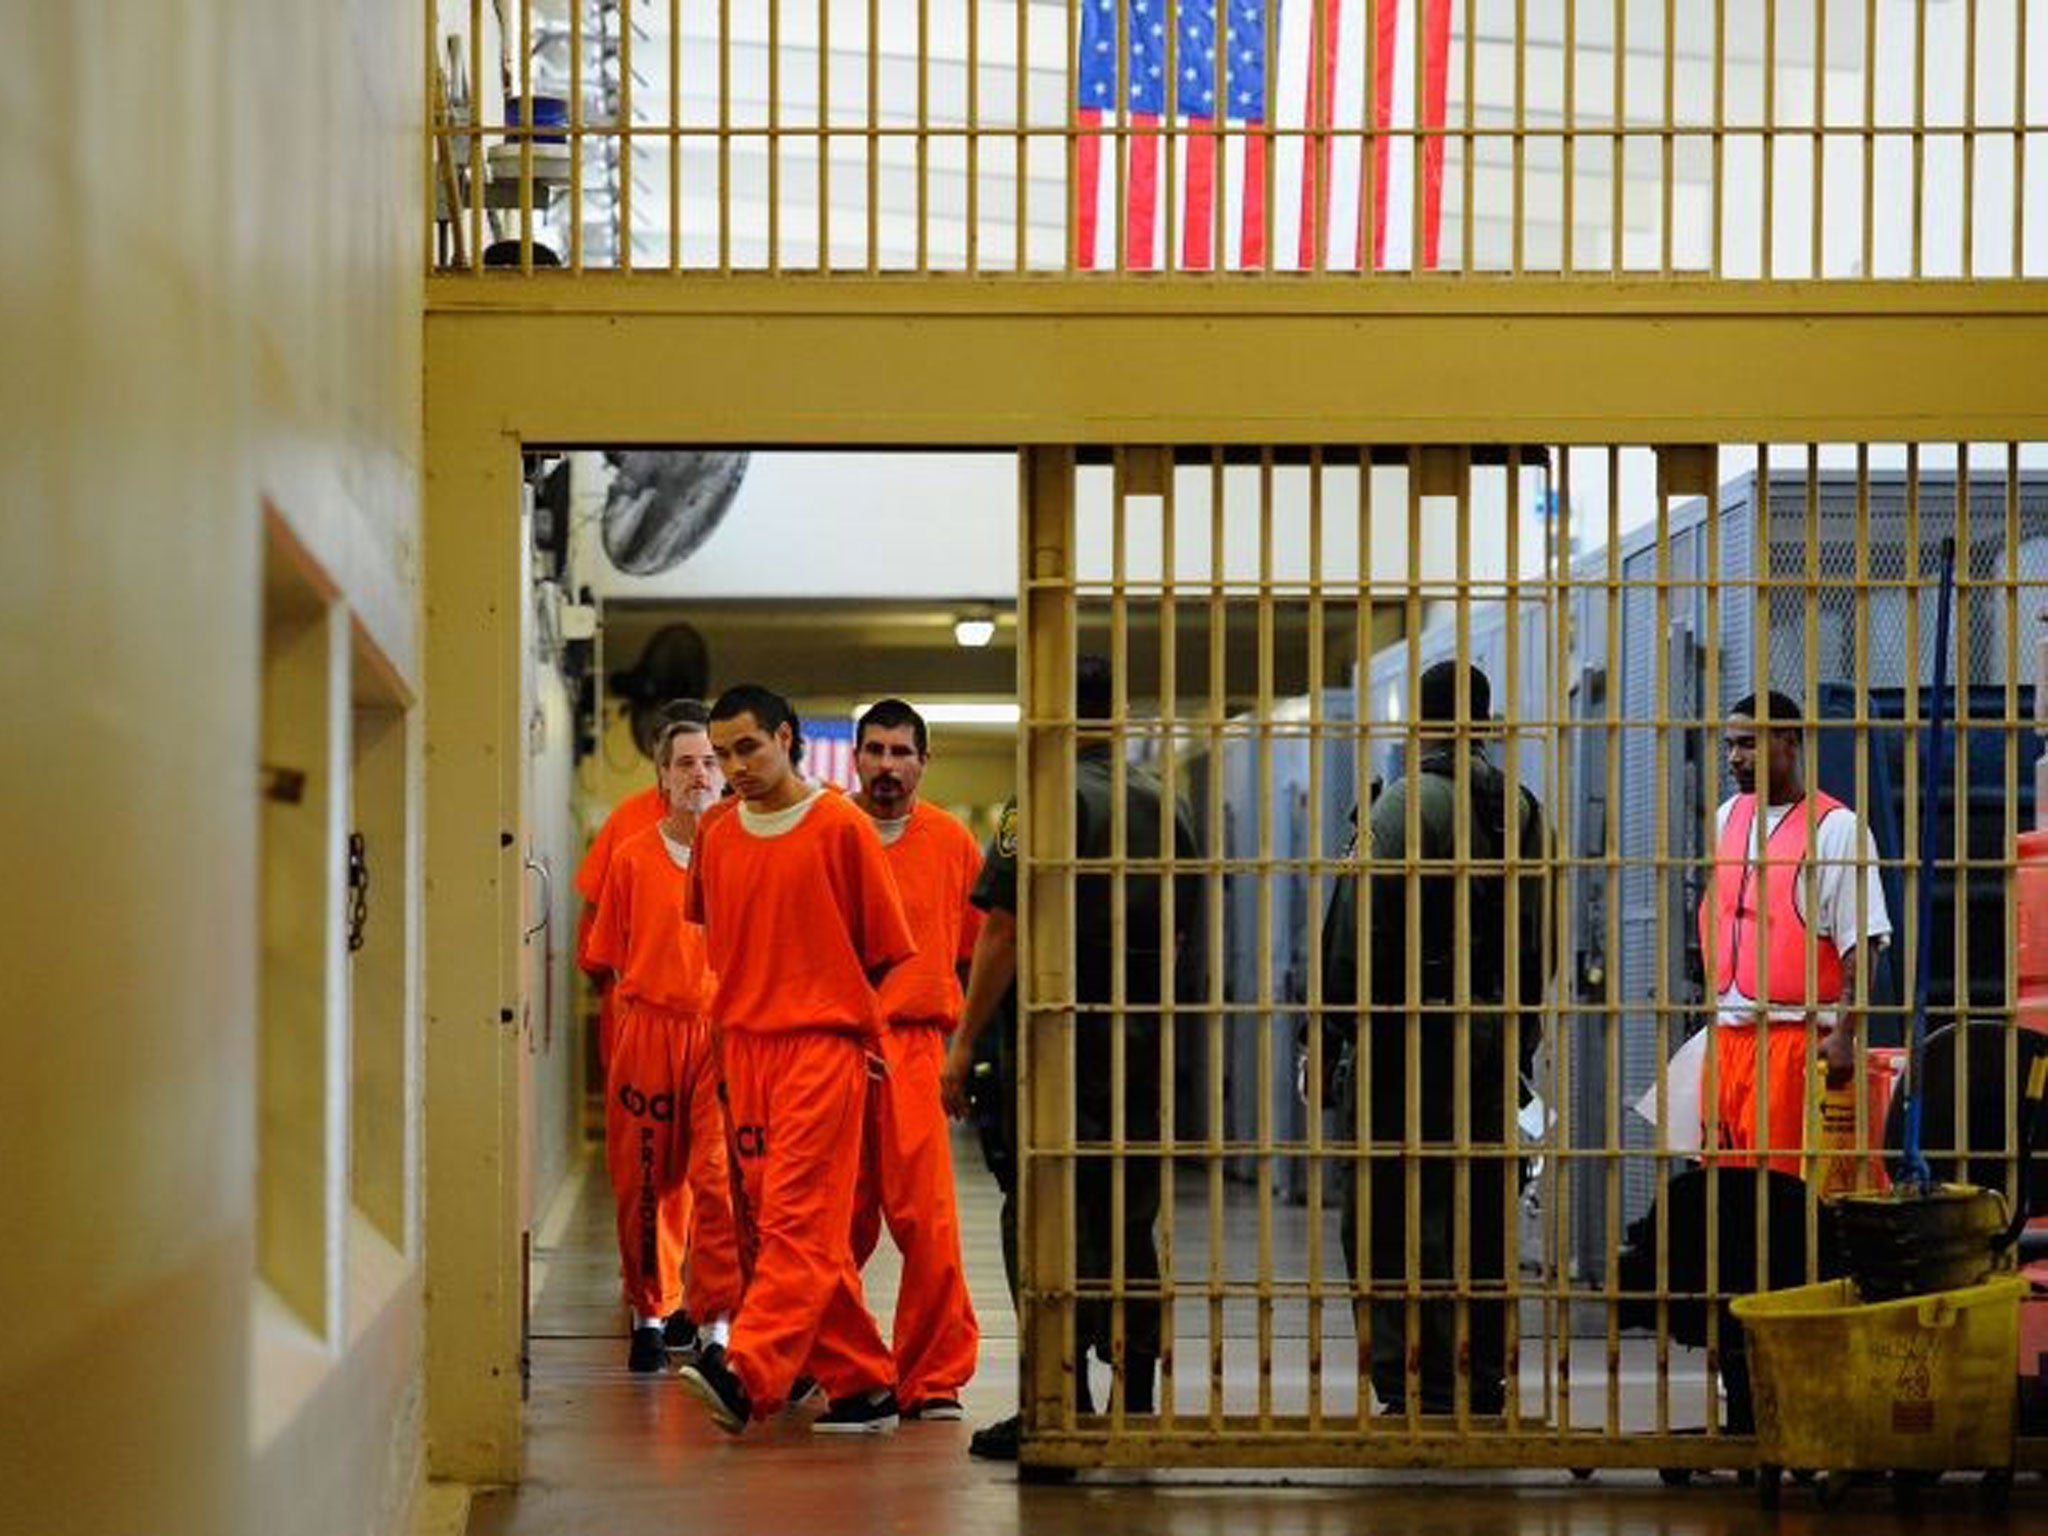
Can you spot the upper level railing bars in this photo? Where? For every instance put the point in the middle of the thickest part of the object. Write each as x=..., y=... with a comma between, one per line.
x=1831, y=139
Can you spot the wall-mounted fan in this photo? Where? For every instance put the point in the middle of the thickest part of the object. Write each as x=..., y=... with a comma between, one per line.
x=662, y=503
x=673, y=665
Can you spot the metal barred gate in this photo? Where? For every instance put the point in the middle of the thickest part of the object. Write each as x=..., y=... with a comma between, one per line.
x=1233, y=594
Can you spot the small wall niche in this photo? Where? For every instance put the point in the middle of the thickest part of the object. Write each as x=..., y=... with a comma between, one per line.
x=302, y=786
x=380, y=857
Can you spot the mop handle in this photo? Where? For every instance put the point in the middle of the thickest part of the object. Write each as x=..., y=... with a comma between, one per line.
x=1913, y=1161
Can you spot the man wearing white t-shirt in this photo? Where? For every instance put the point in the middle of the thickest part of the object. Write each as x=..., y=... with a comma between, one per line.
x=1795, y=892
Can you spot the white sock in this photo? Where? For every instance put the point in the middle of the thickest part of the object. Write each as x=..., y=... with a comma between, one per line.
x=718, y=1330
x=642, y=1321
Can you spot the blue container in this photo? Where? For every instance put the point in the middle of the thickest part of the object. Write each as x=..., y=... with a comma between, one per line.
x=548, y=112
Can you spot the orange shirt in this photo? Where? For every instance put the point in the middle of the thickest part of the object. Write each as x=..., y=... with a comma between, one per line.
x=936, y=862
x=640, y=933
x=632, y=814
x=796, y=920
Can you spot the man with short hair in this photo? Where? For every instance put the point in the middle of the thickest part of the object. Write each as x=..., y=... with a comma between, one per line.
x=1760, y=920
x=803, y=923
x=1146, y=944
x=664, y=1130
x=907, y=1168
x=1757, y=927
x=1501, y=1035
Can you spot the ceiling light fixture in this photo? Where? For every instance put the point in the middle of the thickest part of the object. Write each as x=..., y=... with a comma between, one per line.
x=974, y=630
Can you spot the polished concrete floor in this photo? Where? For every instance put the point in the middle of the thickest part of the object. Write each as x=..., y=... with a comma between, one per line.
x=608, y=1452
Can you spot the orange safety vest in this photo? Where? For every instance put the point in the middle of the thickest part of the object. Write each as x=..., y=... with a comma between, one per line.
x=1778, y=977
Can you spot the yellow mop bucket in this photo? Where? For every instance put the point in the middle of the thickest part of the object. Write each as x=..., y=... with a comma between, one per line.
x=1925, y=1383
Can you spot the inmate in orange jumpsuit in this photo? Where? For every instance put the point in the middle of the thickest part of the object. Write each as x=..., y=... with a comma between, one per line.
x=664, y=1129
x=799, y=908
x=630, y=817
x=1757, y=938
x=907, y=1166
x=634, y=814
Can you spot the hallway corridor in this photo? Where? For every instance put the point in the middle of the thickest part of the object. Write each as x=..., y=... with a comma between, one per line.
x=610, y=1454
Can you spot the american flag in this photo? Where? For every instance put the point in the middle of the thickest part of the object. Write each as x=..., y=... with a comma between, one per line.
x=828, y=752
x=1311, y=81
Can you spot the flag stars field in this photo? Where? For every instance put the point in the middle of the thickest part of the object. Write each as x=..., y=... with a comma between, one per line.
x=1225, y=66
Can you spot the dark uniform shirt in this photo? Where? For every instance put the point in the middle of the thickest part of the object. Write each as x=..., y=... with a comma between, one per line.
x=1146, y=940
x=1386, y=840
x=995, y=889
x=1149, y=944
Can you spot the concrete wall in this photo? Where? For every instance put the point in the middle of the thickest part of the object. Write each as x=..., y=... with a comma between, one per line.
x=211, y=266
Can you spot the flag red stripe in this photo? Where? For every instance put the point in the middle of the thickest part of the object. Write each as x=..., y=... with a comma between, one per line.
x=1384, y=47
x=1141, y=198
x=1318, y=112
x=1087, y=184
x=1201, y=194
x=1251, y=240
x=1436, y=66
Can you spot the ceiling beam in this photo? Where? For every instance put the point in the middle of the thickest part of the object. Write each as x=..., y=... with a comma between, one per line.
x=768, y=361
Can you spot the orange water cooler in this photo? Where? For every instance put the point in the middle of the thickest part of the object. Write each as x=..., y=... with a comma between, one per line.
x=2030, y=954
x=2030, y=925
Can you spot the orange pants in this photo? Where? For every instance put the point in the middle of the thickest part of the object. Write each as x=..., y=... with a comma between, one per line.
x=797, y=1101
x=907, y=1178
x=665, y=1148
x=1791, y=1082
x=607, y=1028
x=601, y=984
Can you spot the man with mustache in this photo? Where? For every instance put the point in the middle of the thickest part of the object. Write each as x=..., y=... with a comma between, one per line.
x=907, y=1168
x=664, y=1129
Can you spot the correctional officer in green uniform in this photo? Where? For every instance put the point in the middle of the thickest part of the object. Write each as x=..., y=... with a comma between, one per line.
x=1486, y=1025
x=992, y=998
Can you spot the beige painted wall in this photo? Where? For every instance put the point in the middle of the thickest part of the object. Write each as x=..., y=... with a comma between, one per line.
x=552, y=1043
x=211, y=301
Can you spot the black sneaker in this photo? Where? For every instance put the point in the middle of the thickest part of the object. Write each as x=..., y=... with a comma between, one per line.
x=679, y=1333
x=996, y=1442
x=859, y=1413
x=933, y=1410
x=805, y=1396
x=719, y=1389
x=646, y=1354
